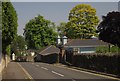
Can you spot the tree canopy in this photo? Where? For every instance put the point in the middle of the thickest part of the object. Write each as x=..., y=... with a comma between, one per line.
x=39, y=32
x=109, y=28
x=18, y=45
x=61, y=28
x=9, y=24
x=0, y=17
x=82, y=22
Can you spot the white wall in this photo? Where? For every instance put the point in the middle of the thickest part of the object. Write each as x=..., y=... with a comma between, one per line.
x=87, y=50
x=83, y=49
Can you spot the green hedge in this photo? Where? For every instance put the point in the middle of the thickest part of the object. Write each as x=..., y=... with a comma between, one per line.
x=107, y=49
x=8, y=50
x=99, y=62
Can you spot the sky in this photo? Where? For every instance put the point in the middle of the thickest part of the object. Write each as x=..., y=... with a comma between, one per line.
x=64, y=0
x=119, y=6
x=55, y=11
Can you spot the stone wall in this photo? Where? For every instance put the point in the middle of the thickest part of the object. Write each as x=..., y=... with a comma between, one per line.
x=3, y=64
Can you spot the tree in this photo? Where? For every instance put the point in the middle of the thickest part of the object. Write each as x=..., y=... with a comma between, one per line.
x=9, y=24
x=61, y=28
x=109, y=28
x=39, y=33
x=18, y=44
x=82, y=22
x=0, y=17
x=0, y=26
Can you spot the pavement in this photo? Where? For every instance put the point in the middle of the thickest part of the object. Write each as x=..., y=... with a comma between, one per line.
x=46, y=72
x=13, y=71
x=0, y=76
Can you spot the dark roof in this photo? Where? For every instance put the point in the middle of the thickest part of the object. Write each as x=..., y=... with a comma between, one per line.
x=49, y=50
x=85, y=43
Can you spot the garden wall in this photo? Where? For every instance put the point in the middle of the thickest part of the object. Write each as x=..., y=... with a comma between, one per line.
x=3, y=63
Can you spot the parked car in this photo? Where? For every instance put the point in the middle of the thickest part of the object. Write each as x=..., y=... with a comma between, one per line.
x=21, y=59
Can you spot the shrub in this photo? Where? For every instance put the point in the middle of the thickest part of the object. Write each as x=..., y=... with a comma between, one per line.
x=107, y=63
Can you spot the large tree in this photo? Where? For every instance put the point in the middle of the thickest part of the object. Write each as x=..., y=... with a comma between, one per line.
x=0, y=16
x=82, y=22
x=18, y=45
x=61, y=28
x=39, y=32
x=109, y=28
x=9, y=24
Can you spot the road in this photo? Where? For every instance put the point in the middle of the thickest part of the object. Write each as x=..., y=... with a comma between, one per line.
x=51, y=72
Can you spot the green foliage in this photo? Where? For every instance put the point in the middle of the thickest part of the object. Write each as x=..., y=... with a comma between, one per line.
x=102, y=63
x=0, y=26
x=18, y=44
x=0, y=17
x=61, y=28
x=114, y=49
x=40, y=32
x=8, y=50
x=109, y=28
x=105, y=49
x=102, y=49
x=82, y=22
x=9, y=24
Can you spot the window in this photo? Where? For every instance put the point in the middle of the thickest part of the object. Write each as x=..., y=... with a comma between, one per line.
x=87, y=50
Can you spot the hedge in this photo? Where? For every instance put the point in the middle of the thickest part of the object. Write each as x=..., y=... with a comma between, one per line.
x=99, y=62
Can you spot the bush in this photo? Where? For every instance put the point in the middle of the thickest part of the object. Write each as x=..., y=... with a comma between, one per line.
x=105, y=49
x=99, y=62
x=8, y=50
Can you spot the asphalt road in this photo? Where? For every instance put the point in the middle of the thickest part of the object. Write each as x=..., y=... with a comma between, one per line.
x=43, y=71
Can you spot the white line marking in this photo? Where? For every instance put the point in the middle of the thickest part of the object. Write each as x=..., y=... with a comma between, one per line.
x=44, y=68
x=57, y=73
x=29, y=76
x=37, y=65
x=109, y=77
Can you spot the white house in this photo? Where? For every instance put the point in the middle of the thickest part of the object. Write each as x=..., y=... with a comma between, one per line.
x=84, y=45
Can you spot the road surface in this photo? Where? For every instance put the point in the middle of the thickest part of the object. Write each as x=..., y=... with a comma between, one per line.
x=42, y=71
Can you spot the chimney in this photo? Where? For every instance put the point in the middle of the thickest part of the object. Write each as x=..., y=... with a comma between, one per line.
x=58, y=40
x=64, y=40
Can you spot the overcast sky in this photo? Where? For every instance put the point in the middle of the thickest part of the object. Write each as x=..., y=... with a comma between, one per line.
x=55, y=11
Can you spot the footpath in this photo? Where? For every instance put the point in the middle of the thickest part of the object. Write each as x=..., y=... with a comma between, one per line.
x=14, y=72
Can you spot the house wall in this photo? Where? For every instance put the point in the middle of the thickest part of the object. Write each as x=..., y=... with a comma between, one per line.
x=38, y=58
x=71, y=51
x=51, y=58
x=81, y=49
